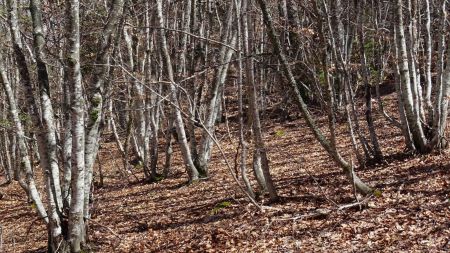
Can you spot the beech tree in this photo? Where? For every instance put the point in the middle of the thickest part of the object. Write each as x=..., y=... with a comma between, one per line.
x=169, y=73
x=76, y=222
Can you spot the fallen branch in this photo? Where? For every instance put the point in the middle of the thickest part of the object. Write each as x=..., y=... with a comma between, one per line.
x=110, y=229
x=325, y=212
x=317, y=183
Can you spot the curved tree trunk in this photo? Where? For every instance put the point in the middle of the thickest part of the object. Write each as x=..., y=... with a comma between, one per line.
x=412, y=115
x=229, y=37
x=361, y=186
x=178, y=120
x=25, y=163
x=254, y=111
x=95, y=93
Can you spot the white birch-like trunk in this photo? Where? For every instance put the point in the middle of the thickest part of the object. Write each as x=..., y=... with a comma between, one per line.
x=47, y=144
x=96, y=92
x=437, y=121
x=76, y=230
x=401, y=108
x=441, y=106
x=412, y=115
x=241, y=18
x=429, y=55
x=361, y=186
x=44, y=134
x=178, y=119
x=66, y=145
x=153, y=114
x=25, y=163
x=229, y=37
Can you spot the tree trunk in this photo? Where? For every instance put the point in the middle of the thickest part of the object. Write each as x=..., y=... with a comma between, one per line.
x=429, y=56
x=412, y=115
x=241, y=15
x=378, y=155
x=361, y=186
x=96, y=93
x=252, y=93
x=25, y=164
x=76, y=223
x=178, y=120
x=47, y=143
x=229, y=37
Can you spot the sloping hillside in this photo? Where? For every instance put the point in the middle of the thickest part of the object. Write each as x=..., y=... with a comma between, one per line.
x=412, y=214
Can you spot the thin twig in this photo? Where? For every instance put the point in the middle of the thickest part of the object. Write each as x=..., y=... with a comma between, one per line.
x=177, y=107
x=188, y=33
x=324, y=212
x=103, y=226
x=29, y=228
x=320, y=187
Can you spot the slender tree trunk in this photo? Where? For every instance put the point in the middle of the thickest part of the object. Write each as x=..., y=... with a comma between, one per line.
x=138, y=95
x=153, y=113
x=251, y=92
x=48, y=142
x=330, y=89
x=96, y=92
x=4, y=163
x=168, y=144
x=76, y=222
x=66, y=143
x=412, y=115
x=367, y=89
x=257, y=131
x=178, y=121
x=380, y=63
x=429, y=56
x=49, y=122
x=25, y=164
x=241, y=15
x=401, y=108
x=438, y=138
x=440, y=113
x=215, y=98
x=361, y=186
x=348, y=111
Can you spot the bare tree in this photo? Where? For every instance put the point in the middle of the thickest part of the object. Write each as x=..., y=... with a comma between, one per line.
x=76, y=221
x=178, y=119
x=330, y=148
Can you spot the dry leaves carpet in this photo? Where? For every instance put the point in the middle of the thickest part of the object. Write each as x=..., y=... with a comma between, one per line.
x=411, y=215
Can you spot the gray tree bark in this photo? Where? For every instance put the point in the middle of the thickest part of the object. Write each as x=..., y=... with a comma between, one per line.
x=96, y=93
x=254, y=111
x=412, y=115
x=25, y=163
x=229, y=37
x=361, y=186
x=178, y=119
x=76, y=223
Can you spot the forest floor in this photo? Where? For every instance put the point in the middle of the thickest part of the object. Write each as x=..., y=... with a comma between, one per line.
x=411, y=215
